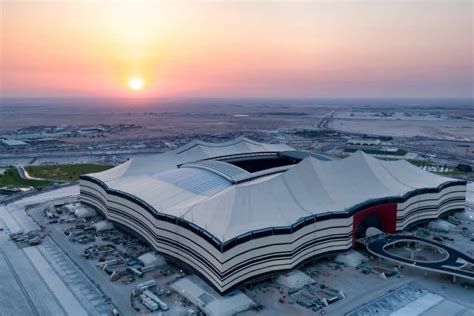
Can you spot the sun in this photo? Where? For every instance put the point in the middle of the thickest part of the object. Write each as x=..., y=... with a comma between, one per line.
x=136, y=83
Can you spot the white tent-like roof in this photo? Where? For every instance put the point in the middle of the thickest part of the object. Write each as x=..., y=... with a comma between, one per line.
x=227, y=209
x=194, y=151
x=351, y=258
x=211, y=303
x=151, y=258
x=82, y=212
x=103, y=225
x=294, y=280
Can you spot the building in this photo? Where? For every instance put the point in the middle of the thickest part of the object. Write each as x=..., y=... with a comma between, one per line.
x=13, y=142
x=364, y=143
x=241, y=209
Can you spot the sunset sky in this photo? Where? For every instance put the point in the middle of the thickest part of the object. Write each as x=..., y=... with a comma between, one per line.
x=256, y=48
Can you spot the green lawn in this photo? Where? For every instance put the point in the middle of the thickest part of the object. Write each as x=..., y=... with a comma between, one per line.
x=11, y=177
x=456, y=174
x=64, y=172
x=419, y=163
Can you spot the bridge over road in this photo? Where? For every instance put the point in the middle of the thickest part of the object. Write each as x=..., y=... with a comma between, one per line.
x=453, y=262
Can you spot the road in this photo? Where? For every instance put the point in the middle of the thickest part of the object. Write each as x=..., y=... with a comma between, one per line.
x=25, y=175
x=22, y=172
x=323, y=124
x=41, y=280
x=450, y=265
x=20, y=284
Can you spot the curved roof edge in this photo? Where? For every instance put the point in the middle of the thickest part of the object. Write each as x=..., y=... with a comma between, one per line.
x=194, y=151
x=197, y=142
x=224, y=245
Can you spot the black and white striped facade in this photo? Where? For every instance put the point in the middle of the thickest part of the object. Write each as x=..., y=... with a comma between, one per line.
x=226, y=261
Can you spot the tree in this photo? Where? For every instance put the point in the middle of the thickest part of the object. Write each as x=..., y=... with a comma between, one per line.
x=463, y=168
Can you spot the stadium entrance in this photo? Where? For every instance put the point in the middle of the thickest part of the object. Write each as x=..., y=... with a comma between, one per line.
x=368, y=221
x=382, y=217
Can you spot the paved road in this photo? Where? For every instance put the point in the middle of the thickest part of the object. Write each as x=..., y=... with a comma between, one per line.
x=448, y=266
x=323, y=124
x=41, y=280
x=22, y=172
x=24, y=292
x=25, y=175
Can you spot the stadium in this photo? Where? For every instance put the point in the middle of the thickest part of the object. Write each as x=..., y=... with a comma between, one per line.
x=238, y=210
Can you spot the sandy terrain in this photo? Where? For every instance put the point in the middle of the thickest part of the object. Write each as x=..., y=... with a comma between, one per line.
x=452, y=130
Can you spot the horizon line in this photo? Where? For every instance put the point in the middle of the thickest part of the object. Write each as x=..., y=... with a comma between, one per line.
x=246, y=98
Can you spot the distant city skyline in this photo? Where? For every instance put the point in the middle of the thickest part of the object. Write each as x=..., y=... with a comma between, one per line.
x=258, y=49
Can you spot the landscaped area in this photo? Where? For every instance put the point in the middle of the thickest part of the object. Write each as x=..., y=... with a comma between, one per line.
x=64, y=172
x=439, y=169
x=399, y=152
x=12, y=177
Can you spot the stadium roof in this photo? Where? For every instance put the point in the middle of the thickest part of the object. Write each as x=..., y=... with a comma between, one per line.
x=194, y=151
x=207, y=195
